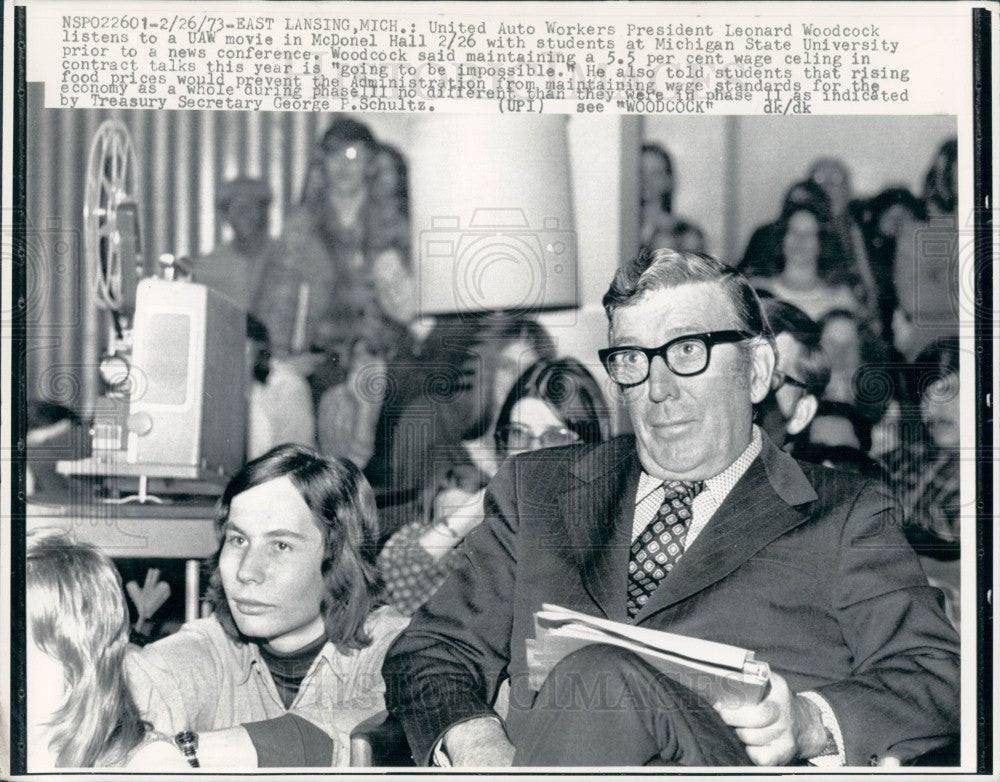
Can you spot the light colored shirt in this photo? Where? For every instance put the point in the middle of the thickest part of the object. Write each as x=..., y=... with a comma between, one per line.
x=279, y=411
x=649, y=495
x=234, y=274
x=201, y=679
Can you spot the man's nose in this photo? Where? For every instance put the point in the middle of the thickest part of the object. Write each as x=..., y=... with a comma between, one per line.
x=662, y=382
x=253, y=567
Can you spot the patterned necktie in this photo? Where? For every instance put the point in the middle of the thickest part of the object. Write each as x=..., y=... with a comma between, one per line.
x=660, y=546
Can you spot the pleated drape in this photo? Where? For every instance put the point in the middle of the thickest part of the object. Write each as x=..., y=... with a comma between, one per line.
x=183, y=157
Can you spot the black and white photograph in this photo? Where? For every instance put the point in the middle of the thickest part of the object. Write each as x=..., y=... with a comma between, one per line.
x=579, y=440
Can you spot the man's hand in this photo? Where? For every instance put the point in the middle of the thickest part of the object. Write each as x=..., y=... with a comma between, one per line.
x=781, y=728
x=148, y=599
x=479, y=743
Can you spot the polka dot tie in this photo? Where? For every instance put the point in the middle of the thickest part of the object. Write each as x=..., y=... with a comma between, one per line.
x=660, y=546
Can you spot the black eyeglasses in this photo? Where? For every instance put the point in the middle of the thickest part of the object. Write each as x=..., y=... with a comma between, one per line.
x=520, y=438
x=688, y=355
x=779, y=379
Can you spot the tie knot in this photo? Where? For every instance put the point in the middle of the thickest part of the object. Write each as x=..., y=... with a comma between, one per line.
x=682, y=489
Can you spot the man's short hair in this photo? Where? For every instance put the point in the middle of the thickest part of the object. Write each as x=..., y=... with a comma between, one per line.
x=813, y=366
x=242, y=187
x=343, y=507
x=661, y=269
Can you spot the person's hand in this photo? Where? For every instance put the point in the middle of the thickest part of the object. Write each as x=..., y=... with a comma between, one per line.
x=781, y=728
x=479, y=743
x=461, y=510
x=149, y=599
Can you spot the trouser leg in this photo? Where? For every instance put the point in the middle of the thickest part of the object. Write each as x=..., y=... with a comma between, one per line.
x=603, y=706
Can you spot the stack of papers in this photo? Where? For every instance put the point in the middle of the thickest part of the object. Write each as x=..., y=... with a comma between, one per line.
x=717, y=671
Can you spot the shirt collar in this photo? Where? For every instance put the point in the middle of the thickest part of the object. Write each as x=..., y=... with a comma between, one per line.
x=722, y=483
x=249, y=656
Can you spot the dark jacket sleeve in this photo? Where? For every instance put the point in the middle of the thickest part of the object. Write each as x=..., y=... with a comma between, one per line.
x=903, y=696
x=447, y=665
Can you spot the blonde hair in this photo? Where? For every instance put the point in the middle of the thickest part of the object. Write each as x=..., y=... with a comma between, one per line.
x=78, y=616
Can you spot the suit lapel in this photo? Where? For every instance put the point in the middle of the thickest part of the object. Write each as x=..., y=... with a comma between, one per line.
x=760, y=508
x=597, y=514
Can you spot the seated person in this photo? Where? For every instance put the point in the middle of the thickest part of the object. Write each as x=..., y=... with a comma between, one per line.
x=840, y=437
x=289, y=662
x=699, y=525
x=555, y=402
x=659, y=224
x=807, y=267
x=764, y=248
x=924, y=471
x=800, y=377
x=236, y=269
x=840, y=423
x=80, y=711
x=682, y=235
x=279, y=403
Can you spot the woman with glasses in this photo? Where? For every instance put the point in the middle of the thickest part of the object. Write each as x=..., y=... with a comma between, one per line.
x=556, y=402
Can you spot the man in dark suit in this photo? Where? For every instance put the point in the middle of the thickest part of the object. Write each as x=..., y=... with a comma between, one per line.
x=698, y=525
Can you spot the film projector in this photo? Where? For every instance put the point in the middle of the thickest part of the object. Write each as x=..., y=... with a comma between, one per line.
x=172, y=415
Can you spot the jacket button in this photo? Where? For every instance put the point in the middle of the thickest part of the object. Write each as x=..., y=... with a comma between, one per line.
x=873, y=760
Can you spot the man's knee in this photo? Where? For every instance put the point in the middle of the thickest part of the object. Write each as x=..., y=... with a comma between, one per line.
x=608, y=677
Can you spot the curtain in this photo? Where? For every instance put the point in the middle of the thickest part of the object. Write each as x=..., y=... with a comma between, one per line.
x=183, y=156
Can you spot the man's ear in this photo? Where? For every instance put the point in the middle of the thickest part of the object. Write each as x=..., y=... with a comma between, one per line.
x=762, y=363
x=805, y=412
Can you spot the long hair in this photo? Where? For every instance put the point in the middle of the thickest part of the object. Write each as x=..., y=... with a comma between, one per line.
x=343, y=507
x=830, y=260
x=78, y=616
x=569, y=390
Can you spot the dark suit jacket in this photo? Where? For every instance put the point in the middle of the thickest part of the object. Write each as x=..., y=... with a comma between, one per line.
x=805, y=565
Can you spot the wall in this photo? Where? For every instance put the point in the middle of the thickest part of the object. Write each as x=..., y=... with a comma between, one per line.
x=770, y=153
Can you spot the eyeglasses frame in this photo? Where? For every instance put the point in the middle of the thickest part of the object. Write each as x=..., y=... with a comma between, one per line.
x=708, y=338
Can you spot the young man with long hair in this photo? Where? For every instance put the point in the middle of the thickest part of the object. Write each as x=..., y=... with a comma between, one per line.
x=289, y=661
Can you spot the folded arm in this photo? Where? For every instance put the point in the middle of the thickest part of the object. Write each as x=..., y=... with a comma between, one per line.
x=446, y=667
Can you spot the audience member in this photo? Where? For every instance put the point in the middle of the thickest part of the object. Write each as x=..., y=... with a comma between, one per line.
x=555, y=402
x=321, y=292
x=685, y=236
x=289, y=661
x=279, y=402
x=924, y=471
x=236, y=269
x=833, y=175
x=808, y=274
x=80, y=713
x=841, y=424
x=449, y=398
x=659, y=224
x=840, y=437
x=800, y=376
x=881, y=220
x=849, y=346
x=348, y=412
x=763, y=251
x=926, y=262
x=899, y=419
